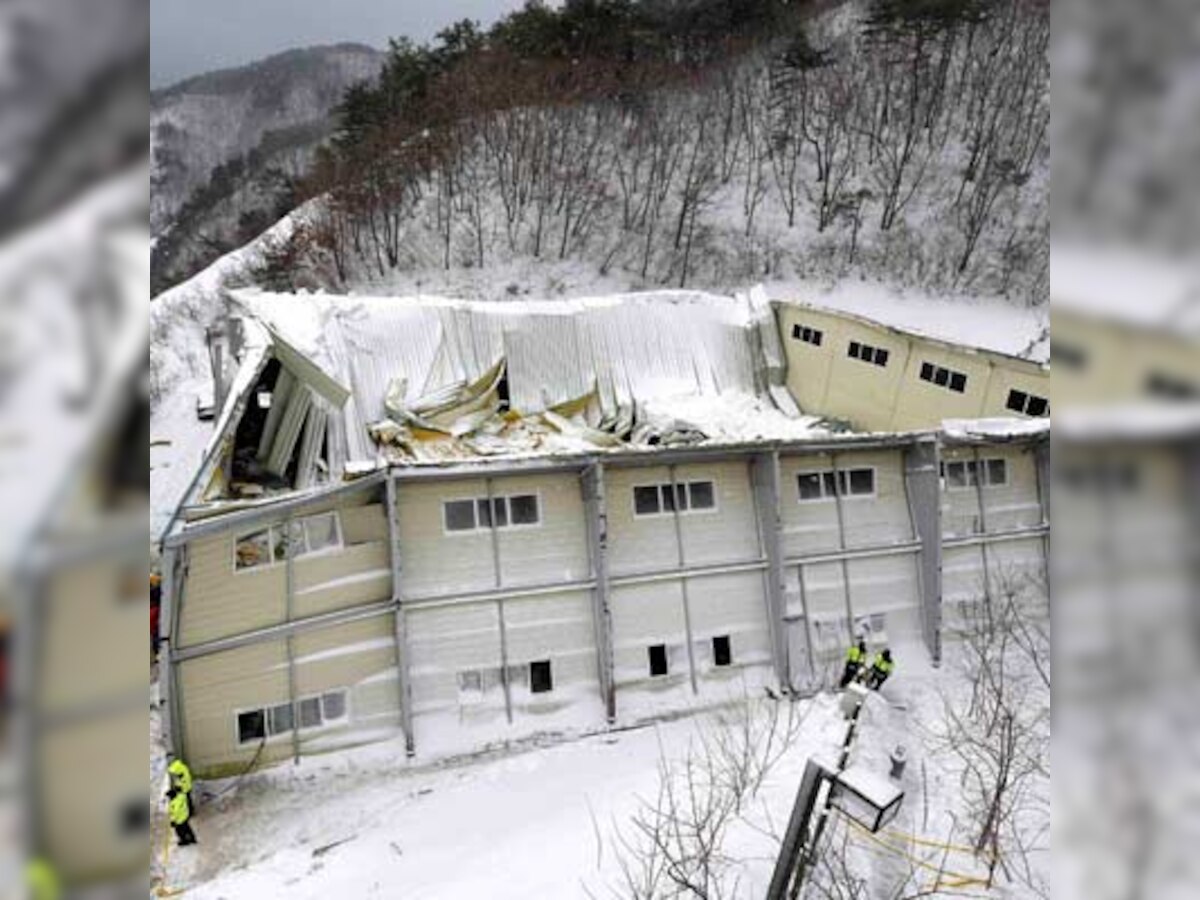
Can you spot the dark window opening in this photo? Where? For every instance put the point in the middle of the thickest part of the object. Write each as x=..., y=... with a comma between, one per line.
x=1016, y=401
x=958, y=382
x=460, y=515
x=524, y=509
x=645, y=500
x=134, y=816
x=658, y=659
x=927, y=371
x=702, y=495
x=502, y=391
x=540, y=678
x=252, y=726
x=1037, y=406
x=722, y=654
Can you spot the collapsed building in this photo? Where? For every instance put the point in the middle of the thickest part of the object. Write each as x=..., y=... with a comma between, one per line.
x=465, y=522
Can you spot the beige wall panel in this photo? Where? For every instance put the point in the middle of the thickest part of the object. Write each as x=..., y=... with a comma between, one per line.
x=94, y=643
x=437, y=562
x=350, y=577
x=364, y=524
x=556, y=550
x=811, y=526
x=549, y=626
x=444, y=641
x=923, y=404
x=962, y=574
x=824, y=590
x=732, y=605
x=728, y=533
x=219, y=602
x=81, y=809
x=342, y=656
x=212, y=688
x=638, y=543
x=643, y=615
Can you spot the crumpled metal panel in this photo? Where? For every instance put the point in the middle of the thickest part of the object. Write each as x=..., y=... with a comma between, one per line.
x=627, y=349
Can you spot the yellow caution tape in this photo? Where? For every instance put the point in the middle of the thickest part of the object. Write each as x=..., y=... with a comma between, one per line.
x=959, y=879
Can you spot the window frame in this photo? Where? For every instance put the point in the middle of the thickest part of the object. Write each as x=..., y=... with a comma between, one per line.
x=665, y=490
x=869, y=353
x=827, y=476
x=666, y=655
x=478, y=503
x=275, y=528
x=266, y=708
x=969, y=465
x=728, y=654
x=549, y=688
x=805, y=334
x=937, y=371
x=1026, y=401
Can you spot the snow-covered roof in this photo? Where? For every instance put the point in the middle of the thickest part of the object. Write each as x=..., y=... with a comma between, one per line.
x=670, y=353
x=1128, y=286
x=994, y=429
x=70, y=364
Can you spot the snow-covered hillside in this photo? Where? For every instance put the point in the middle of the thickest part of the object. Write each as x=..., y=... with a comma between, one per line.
x=208, y=120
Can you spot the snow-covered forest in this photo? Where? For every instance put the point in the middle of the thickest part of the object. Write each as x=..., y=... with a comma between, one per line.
x=698, y=144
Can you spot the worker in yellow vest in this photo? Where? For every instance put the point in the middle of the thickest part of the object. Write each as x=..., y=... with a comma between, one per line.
x=177, y=811
x=41, y=880
x=856, y=658
x=181, y=780
x=881, y=667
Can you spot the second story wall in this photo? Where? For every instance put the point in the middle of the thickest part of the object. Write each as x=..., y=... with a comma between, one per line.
x=882, y=379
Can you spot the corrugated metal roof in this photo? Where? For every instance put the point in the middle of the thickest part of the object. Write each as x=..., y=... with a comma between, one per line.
x=630, y=349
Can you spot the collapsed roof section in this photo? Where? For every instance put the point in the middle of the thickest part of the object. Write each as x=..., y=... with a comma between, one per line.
x=331, y=385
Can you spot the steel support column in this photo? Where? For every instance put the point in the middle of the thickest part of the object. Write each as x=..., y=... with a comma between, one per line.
x=764, y=482
x=595, y=506
x=400, y=619
x=922, y=485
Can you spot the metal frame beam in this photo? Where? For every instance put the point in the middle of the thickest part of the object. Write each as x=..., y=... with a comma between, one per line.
x=403, y=683
x=922, y=486
x=764, y=486
x=595, y=504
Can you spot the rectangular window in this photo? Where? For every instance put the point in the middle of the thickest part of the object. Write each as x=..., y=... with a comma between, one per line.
x=965, y=474
x=858, y=482
x=524, y=509
x=808, y=335
x=862, y=481
x=321, y=533
x=333, y=706
x=279, y=718
x=702, y=494
x=810, y=485
x=1027, y=404
x=253, y=550
x=943, y=377
x=498, y=512
x=460, y=515
x=645, y=501
x=310, y=712
x=1170, y=387
x=540, y=679
x=252, y=726
x=1067, y=355
x=470, y=682
x=997, y=472
x=865, y=352
x=722, y=655
x=658, y=659
x=653, y=499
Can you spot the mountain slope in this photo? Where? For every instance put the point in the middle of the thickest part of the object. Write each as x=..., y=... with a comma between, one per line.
x=225, y=143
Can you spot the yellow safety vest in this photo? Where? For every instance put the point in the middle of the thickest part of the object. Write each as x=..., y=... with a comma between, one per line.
x=855, y=655
x=883, y=665
x=177, y=808
x=181, y=775
x=42, y=880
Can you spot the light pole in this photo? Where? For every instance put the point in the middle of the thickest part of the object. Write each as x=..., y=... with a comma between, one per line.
x=865, y=796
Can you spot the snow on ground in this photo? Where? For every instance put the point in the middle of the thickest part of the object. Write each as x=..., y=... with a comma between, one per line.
x=537, y=819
